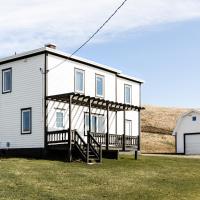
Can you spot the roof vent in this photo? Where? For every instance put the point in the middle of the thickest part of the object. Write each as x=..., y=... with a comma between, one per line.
x=49, y=45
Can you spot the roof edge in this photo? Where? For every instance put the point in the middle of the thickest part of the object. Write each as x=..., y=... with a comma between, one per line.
x=67, y=56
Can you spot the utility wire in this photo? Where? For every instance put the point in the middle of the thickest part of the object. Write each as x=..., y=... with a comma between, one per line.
x=109, y=18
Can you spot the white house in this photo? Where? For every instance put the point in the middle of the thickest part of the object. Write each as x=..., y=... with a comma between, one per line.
x=50, y=99
x=187, y=133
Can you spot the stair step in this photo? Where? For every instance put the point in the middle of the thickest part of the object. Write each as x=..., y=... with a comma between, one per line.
x=92, y=156
x=93, y=161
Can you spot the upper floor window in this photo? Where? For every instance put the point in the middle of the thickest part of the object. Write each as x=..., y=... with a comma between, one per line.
x=79, y=80
x=99, y=86
x=194, y=118
x=6, y=80
x=59, y=119
x=127, y=94
x=26, y=121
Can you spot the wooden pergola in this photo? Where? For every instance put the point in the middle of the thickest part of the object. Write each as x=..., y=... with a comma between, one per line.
x=93, y=102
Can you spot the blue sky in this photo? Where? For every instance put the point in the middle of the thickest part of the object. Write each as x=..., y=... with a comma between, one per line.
x=157, y=41
x=167, y=57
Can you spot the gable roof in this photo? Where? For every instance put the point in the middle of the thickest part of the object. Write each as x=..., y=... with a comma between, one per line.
x=67, y=56
x=182, y=116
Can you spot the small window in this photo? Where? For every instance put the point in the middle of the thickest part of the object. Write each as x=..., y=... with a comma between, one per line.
x=6, y=80
x=194, y=118
x=99, y=86
x=129, y=127
x=59, y=119
x=26, y=121
x=127, y=94
x=79, y=81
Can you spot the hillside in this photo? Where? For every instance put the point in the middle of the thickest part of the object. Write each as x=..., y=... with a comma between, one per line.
x=157, y=124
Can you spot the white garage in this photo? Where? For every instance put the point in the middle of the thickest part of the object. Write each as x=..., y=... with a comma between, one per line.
x=187, y=133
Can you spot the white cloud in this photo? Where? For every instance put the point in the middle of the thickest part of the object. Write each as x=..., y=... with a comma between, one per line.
x=29, y=24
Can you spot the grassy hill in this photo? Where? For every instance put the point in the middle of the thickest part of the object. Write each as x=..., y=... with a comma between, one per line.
x=157, y=124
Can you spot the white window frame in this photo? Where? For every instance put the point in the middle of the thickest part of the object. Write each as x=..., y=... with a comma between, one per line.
x=22, y=120
x=60, y=127
x=97, y=121
x=75, y=78
x=131, y=123
x=103, y=86
x=3, y=77
x=130, y=87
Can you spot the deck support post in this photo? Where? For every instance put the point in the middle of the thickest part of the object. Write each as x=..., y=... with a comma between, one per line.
x=124, y=135
x=69, y=155
x=89, y=131
x=139, y=131
x=107, y=133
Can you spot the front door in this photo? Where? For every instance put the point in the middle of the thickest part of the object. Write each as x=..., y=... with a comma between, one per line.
x=97, y=123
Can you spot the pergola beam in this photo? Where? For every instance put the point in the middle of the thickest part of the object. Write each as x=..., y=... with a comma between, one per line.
x=82, y=100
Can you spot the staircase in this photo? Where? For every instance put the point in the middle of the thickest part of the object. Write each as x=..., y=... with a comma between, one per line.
x=89, y=152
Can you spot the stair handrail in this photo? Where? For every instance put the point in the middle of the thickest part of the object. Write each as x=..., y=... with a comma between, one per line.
x=98, y=149
x=82, y=143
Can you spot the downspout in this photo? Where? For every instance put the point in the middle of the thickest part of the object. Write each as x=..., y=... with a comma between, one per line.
x=45, y=102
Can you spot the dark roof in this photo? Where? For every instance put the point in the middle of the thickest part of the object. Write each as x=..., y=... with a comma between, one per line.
x=83, y=100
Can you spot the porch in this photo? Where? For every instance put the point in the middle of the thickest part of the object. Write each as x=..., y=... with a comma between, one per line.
x=95, y=142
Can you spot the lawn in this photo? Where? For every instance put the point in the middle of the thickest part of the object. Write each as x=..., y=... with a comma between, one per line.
x=147, y=178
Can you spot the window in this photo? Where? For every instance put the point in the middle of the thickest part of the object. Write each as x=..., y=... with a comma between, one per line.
x=129, y=127
x=127, y=94
x=99, y=86
x=97, y=123
x=79, y=81
x=59, y=119
x=26, y=121
x=194, y=118
x=6, y=80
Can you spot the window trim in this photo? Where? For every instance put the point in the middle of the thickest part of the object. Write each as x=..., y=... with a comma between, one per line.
x=63, y=122
x=131, y=122
x=83, y=71
x=3, y=71
x=130, y=86
x=92, y=114
x=103, y=77
x=26, y=132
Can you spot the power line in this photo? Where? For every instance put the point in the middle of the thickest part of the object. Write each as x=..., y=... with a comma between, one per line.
x=109, y=18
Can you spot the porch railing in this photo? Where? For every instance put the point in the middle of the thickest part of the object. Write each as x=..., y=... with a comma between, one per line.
x=57, y=136
x=116, y=140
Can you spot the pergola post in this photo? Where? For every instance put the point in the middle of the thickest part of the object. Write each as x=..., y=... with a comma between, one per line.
x=124, y=135
x=69, y=154
x=107, y=134
x=139, y=131
x=89, y=131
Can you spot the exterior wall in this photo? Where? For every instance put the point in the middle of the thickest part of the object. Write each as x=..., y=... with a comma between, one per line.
x=61, y=80
x=130, y=115
x=186, y=125
x=27, y=84
x=78, y=117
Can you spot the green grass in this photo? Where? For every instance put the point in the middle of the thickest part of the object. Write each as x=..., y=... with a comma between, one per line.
x=149, y=178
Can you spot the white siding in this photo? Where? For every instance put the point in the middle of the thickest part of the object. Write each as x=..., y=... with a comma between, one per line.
x=186, y=125
x=27, y=84
x=130, y=115
x=61, y=80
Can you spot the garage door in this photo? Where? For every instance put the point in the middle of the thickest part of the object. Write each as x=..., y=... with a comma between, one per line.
x=192, y=144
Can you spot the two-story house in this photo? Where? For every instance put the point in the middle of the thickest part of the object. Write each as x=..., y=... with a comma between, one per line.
x=50, y=100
